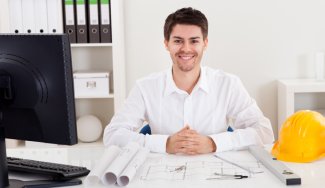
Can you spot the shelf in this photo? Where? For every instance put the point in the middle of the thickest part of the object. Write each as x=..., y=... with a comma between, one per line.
x=299, y=94
x=110, y=96
x=303, y=85
x=92, y=57
x=92, y=45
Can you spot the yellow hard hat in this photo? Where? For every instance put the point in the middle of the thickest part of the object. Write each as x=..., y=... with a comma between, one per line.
x=302, y=138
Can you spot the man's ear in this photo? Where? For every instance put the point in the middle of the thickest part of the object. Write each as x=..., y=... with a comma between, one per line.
x=206, y=41
x=166, y=44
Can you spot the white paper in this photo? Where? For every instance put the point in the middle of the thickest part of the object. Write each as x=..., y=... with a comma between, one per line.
x=129, y=172
x=119, y=164
x=109, y=155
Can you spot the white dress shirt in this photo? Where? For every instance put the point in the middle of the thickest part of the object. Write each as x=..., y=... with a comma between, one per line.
x=217, y=98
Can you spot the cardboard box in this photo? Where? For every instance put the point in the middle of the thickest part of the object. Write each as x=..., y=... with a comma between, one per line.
x=91, y=84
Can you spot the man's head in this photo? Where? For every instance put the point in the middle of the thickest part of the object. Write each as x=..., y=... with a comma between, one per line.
x=186, y=38
x=186, y=16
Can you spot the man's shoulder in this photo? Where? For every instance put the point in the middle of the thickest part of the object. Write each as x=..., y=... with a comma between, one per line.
x=152, y=78
x=219, y=74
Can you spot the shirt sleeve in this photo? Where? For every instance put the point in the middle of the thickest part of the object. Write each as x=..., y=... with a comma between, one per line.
x=124, y=124
x=250, y=126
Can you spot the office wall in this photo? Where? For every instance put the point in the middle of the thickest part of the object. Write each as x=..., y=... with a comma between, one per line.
x=3, y=12
x=261, y=41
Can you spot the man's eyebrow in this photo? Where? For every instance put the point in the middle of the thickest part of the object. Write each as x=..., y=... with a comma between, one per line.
x=177, y=37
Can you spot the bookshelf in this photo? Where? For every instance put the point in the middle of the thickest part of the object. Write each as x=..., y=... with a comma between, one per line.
x=299, y=94
x=94, y=57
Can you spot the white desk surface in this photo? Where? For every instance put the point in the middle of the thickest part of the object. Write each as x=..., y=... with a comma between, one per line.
x=312, y=174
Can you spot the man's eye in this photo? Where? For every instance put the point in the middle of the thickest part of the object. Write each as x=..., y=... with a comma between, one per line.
x=195, y=41
x=177, y=41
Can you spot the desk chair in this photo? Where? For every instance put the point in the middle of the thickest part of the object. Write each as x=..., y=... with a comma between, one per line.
x=146, y=129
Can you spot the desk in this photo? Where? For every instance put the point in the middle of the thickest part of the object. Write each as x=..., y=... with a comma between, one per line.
x=312, y=174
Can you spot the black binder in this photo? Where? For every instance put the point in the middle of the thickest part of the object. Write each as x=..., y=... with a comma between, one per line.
x=81, y=21
x=69, y=20
x=105, y=24
x=93, y=21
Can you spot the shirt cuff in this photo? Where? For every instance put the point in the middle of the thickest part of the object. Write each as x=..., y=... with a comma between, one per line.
x=156, y=143
x=223, y=141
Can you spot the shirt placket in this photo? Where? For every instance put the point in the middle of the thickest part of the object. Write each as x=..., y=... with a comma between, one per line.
x=188, y=117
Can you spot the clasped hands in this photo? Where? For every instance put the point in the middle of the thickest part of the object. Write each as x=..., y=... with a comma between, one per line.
x=188, y=141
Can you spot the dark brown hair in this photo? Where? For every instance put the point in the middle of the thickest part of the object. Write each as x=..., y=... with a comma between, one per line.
x=187, y=16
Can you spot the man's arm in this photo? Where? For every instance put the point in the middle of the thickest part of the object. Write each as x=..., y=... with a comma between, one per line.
x=250, y=126
x=121, y=129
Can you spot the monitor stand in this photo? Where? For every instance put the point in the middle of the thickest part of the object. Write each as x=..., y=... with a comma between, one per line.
x=6, y=183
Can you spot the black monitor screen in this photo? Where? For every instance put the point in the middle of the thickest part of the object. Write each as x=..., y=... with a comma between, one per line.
x=36, y=88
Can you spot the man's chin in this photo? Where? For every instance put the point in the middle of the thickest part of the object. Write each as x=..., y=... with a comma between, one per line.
x=186, y=68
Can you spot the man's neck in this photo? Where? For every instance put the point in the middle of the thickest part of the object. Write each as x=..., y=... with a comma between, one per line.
x=186, y=80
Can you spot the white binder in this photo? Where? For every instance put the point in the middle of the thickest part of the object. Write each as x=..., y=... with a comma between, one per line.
x=28, y=16
x=15, y=16
x=54, y=16
x=40, y=15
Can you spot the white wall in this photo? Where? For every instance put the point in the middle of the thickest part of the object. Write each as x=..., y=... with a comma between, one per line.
x=261, y=41
x=3, y=15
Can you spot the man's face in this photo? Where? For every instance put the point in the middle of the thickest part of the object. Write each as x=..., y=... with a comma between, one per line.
x=186, y=46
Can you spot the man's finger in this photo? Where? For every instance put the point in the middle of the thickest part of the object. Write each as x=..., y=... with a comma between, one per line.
x=183, y=129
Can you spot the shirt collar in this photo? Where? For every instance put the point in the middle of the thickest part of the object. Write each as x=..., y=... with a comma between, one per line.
x=203, y=81
x=171, y=86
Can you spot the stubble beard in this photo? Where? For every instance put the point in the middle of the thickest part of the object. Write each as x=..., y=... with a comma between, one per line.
x=185, y=68
x=188, y=66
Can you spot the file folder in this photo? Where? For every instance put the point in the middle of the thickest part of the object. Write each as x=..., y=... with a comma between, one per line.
x=54, y=17
x=105, y=21
x=40, y=15
x=81, y=21
x=93, y=21
x=28, y=16
x=69, y=22
x=15, y=16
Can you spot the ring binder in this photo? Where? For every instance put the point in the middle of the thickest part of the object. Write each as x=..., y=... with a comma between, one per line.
x=105, y=21
x=81, y=21
x=93, y=21
x=69, y=22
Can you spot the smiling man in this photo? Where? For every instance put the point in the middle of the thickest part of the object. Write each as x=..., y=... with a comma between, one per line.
x=189, y=107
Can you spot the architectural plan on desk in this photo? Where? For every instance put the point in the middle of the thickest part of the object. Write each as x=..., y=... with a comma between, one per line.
x=203, y=167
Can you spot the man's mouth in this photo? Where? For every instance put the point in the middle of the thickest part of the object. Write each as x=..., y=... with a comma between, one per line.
x=186, y=57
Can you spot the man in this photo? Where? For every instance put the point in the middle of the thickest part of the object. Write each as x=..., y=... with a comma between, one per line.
x=189, y=106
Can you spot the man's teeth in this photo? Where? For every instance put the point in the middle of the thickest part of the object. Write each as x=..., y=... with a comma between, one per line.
x=186, y=57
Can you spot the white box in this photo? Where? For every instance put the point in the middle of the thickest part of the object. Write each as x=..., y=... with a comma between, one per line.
x=91, y=84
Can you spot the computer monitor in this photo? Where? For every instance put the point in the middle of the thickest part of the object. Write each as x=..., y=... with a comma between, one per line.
x=36, y=92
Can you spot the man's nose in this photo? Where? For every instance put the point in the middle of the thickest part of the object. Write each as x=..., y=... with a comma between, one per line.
x=186, y=46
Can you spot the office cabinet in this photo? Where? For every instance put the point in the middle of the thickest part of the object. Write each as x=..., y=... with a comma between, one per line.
x=299, y=94
x=94, y=57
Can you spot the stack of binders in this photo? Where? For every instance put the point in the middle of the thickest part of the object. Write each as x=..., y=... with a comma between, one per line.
x=87, y=21
x=35, y=16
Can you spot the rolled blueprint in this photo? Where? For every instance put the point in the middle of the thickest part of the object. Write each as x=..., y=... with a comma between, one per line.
x=95, y=174
x=129, y=172
x=120, y=163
